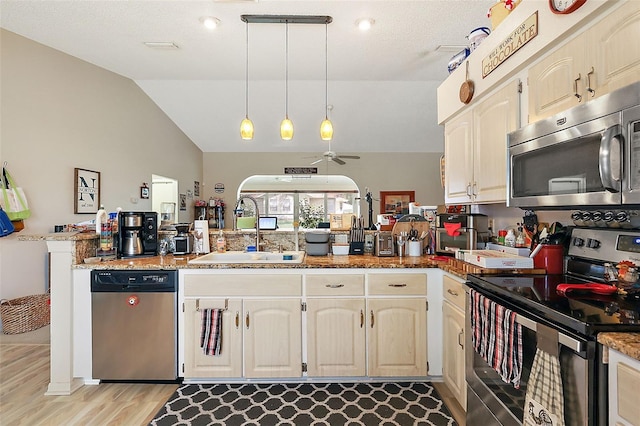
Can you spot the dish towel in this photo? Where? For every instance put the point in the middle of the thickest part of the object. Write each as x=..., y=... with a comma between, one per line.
x=496, y=337
x=544, y=401
x=211, y=331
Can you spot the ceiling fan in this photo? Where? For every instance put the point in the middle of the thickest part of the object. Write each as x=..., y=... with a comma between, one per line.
x=332, y=156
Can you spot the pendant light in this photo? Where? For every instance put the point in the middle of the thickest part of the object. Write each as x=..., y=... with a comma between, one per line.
x=246, y=127
x=326, y=128
x=286, y=127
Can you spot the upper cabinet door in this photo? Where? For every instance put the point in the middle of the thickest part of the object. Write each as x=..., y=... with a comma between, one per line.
x=493, y=119
x=458, y=157
x=614, y=45
x=555, y=81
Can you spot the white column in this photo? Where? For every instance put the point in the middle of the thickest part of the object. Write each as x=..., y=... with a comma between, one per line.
x=62, y=381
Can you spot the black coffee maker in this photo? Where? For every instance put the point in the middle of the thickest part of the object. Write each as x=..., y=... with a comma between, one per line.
x=137, y=234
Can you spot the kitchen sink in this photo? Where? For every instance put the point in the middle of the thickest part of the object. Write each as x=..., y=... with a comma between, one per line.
x=250, y=257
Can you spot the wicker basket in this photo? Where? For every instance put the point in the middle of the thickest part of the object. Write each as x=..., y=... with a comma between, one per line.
x=25, y=313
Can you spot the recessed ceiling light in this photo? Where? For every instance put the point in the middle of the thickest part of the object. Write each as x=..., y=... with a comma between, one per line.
x=365, y=24
x=161, y=45
x=210, y=22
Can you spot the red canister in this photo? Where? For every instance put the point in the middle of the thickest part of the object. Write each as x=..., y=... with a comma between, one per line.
x=550, y=257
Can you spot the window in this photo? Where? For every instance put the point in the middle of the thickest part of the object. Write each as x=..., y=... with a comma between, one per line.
x=303, y=199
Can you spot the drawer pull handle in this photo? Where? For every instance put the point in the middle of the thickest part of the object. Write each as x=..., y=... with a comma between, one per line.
x=237, y=319
x=361, y=318
x=372, y=319
x=459, y=335
x=334, y=285
x=246, y=320
x=397, y=285
x=451, y=292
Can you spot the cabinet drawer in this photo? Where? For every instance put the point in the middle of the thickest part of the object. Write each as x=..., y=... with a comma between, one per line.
x=242, y=285
x=335, y=285
x=397, y=284
x=454, y=292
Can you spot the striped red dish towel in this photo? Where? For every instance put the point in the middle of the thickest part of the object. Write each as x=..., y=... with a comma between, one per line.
x=211, y=331
x=496, y=337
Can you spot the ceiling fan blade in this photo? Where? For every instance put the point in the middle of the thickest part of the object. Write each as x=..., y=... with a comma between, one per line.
x=338, y=160
x=317, y=161
x=354, y=157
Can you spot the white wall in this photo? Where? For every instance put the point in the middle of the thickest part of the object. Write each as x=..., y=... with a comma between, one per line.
x=419, y=172
x=59, y=113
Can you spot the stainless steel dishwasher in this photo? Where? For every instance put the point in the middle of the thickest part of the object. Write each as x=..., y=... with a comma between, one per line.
x=134, y=325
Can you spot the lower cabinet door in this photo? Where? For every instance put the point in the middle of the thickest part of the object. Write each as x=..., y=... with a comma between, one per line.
x=272, y=338
x=336, y=337
x=453, y=372
x=397, y=337
x=229, y=362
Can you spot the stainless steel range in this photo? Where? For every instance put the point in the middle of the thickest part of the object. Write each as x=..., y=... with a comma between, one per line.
x=565, y=325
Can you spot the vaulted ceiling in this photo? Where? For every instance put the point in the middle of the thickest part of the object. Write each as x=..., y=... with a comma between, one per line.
x=382, y=83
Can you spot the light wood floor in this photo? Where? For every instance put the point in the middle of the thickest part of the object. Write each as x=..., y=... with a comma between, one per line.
x=24, y=377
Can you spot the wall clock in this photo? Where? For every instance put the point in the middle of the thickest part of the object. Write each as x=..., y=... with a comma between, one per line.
x=564, y=7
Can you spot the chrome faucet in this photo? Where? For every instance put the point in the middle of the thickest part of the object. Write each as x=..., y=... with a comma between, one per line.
x=235, y=217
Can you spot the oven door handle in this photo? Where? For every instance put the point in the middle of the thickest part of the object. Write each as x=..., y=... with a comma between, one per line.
x=610, y=159
x=563, y=339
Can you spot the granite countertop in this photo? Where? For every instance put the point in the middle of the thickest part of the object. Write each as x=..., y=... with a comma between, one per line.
x=626, y=343
x=366, y=261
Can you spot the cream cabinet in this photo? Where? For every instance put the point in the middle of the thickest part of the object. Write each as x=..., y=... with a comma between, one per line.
x=336, y=344
x=272, y=338
x=229, y=362
x=453, y=366
x=262, y=325
x=397, y=321
x=603, y=58
x=476, y=148
x=624, y=382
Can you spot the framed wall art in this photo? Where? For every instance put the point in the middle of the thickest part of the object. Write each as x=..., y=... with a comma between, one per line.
x=396, y=202
x=86, y=190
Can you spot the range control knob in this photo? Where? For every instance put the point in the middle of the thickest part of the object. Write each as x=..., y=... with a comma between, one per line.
x=592, y=243
x=578, y=242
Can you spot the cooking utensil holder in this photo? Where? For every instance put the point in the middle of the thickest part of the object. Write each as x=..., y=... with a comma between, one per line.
x=356, y=247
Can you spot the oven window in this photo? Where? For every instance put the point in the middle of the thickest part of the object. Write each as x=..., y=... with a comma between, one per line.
x=564, y=168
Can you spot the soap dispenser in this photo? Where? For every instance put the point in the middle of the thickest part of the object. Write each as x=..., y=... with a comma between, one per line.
x=221, y=243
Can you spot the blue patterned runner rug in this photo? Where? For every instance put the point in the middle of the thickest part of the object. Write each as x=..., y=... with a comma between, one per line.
x=330, y=404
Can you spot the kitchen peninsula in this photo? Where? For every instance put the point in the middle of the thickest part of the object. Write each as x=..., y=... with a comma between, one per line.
x=71, y=297
x=364, y=280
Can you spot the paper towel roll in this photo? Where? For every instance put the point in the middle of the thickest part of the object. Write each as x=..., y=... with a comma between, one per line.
x=201, y=231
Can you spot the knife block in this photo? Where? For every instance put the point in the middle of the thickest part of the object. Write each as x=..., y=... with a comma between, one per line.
x=356, y=247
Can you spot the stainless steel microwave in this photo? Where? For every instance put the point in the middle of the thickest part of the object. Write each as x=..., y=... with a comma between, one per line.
x=588, y=156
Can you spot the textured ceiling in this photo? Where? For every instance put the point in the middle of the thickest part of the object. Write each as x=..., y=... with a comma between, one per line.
x=380, y=81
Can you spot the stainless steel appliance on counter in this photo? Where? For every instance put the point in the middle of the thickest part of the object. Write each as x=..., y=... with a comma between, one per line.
x=134, y=325
x=137, y=234
x=461, y=232
x=568, y=324
x=587, y=156
x=383, y=245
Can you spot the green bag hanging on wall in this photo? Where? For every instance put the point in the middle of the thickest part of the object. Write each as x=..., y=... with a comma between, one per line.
x=13, y=201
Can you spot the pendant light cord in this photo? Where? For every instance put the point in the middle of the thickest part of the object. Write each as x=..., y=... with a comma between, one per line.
x=246, y=87
x=326, y=71
x=286, y=72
